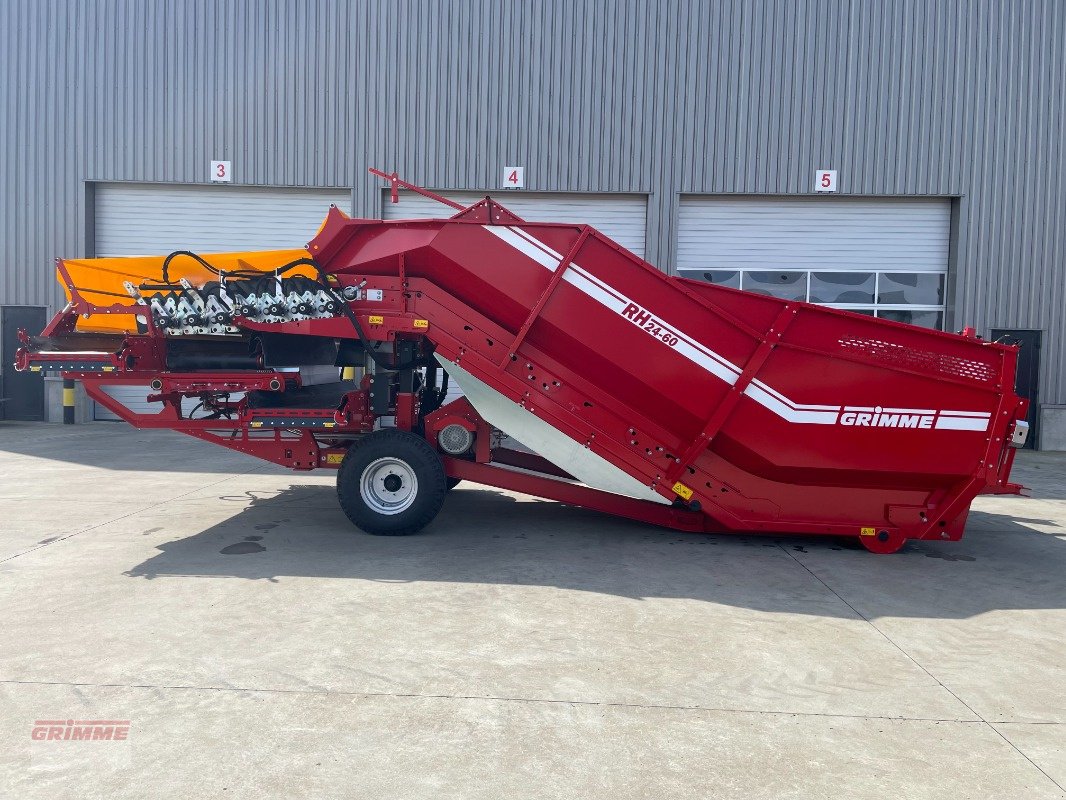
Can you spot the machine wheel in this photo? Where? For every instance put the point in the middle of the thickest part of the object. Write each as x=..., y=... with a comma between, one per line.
x=392, y=483
x=884, y=542
x=453, y=482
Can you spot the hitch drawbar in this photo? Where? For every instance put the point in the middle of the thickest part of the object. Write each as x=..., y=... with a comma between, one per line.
x=587, y=377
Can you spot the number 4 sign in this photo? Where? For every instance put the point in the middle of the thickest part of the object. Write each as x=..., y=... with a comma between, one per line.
x=825, y=180
x=220, y=172
x=514, y=177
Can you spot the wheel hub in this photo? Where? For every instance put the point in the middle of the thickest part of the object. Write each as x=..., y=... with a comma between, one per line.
x=388, y=485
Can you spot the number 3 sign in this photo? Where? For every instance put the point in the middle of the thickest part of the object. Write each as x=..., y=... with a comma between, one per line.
x=220, y=172
x=825, y=180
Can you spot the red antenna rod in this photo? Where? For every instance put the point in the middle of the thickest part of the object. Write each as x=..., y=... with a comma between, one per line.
x=394, y=179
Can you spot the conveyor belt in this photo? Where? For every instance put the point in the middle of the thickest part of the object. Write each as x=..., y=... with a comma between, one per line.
x=322, y=395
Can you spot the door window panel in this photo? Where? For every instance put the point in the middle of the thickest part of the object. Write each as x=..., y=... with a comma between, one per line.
x=722, y=277
x=924, y=319
x=911, y=288
x=843, y=287
x=869, y=293
x=785, y=285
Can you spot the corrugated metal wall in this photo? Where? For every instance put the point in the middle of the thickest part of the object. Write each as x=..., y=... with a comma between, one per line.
x=903, y=97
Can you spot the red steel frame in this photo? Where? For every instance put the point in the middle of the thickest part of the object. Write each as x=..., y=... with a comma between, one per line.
x=707, y=457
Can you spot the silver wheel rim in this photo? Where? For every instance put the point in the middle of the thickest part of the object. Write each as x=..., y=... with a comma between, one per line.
x=388, y=485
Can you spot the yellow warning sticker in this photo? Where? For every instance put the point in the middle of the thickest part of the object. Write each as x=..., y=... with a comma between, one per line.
x=682, y=491
x=376, y=320
x=256, y=424
x=329, y=424
x=867, y=531
x=421, y=323
x=35, y=369
x=334, y=458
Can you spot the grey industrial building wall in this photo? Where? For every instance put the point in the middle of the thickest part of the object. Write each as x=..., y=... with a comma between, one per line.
x=919, y=97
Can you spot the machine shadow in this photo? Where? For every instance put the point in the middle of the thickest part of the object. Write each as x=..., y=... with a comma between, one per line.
x=483, y=536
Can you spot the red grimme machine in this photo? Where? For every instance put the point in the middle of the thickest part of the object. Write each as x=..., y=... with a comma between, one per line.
x=628, y=391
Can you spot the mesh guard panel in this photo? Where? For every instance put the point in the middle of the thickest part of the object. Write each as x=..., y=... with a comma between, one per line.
x=921, y=360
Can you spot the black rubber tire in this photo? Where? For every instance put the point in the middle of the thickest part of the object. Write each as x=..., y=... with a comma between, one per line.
x=453, y=482
x=416, y=453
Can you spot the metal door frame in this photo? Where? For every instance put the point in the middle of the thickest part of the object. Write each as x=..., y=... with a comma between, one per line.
x=3, y=368
x=1034, y=400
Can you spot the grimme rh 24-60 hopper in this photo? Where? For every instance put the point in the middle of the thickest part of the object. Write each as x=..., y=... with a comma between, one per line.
x=670, y=401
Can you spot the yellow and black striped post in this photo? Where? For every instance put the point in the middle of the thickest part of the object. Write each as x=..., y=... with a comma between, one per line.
x=68, y=401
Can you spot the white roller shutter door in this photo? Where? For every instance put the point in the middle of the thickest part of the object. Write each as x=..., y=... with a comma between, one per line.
x=622, y=217
x=879, y=256
x=842, y=233
x=154, y=219
x=149, y=219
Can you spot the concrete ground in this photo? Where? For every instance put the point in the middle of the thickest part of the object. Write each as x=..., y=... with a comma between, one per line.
x=261, y=647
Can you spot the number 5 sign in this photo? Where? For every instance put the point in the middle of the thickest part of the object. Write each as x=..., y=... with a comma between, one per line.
x=220, y=172
x=825, y=180
x=514, y=177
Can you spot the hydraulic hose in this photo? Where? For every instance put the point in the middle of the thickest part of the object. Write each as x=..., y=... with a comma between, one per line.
x=310, y=262
x=234, y=273
x=363, y=340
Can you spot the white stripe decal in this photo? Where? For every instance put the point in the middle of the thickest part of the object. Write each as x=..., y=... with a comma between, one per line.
x=610, y=297
x=881, y=409
x=710, y=361
x=538, y=243
x=787, y=412
x=518, y=243
x=961, y=423
x=720, y=367
x=769, y=390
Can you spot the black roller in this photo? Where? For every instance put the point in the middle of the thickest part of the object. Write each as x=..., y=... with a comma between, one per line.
x=192, y=363
x=230, y=353
x=290, y=350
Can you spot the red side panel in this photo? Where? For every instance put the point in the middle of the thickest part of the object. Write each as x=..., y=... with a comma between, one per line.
x=773, y=415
